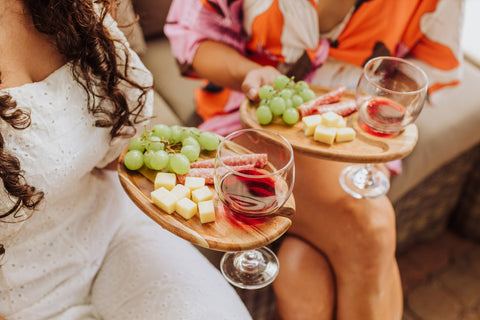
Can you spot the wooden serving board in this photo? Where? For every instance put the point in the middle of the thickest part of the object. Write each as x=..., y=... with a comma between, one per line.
x=365, y=148
x=227, y=233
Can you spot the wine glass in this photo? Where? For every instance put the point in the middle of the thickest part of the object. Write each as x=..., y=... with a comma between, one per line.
x=390, y=95
x=254, y=176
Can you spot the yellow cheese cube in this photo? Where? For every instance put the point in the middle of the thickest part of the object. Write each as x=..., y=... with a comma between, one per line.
x=168, y=180
x=206, y=211
x=345, y=134
x=325, y=134
x=186, y=208
x=162, y=198
x=202, y=194
x=180, y=191
x=310, y=123
x=194, y=183
x=332, y=119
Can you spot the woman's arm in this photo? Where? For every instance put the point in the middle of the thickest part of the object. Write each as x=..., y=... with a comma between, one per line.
x=226, y=67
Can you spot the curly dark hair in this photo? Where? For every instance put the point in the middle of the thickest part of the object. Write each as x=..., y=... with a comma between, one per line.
x=83, y=40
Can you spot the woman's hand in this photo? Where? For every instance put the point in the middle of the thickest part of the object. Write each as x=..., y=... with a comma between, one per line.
x=257, y=78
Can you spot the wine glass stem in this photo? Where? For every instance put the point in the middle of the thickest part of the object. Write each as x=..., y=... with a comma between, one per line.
x=370, y=176
x=250, y=262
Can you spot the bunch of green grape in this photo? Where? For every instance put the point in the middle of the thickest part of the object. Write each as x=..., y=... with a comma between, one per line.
x=282, y=100
x=169, y=147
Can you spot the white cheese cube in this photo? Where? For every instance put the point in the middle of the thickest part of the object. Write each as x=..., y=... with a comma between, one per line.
x=194, y=183
x=332, y=119
x=168, y=180
x=325, y=134
x=162, y=198
x=310, y=123
x=186, y=208
x=202, y=194
x=206, y=211
x=342, y=123
x=345, y=134
x=180, y=191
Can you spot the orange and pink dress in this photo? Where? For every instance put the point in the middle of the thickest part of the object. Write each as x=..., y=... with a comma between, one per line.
x=285, y=34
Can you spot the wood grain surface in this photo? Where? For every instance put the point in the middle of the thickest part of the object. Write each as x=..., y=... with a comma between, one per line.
x=228, y=232
x=365, y=148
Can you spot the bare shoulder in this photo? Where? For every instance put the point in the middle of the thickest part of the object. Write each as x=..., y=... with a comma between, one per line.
x=27, y=55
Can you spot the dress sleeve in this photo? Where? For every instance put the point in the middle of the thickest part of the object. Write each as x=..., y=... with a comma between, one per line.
x=433, y=42
x=189, y=22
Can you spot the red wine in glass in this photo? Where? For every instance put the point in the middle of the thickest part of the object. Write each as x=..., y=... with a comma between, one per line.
x=249, y=195
x=385, y=115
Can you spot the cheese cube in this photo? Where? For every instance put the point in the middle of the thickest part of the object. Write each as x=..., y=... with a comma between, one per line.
x=194, y=183
x=162, y=198
x=325, y=134
x=332, y=119
x=206, y=211
x=180, y=191
x=310, y=123
x=345, y=134
x=168, y=180
x=202, y=194
x=186, y=208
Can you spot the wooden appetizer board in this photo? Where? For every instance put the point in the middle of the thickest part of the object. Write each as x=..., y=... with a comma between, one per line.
x=365, y=148
x=227, y=233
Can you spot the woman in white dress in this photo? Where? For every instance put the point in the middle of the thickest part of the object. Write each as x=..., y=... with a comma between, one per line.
x=72, y=245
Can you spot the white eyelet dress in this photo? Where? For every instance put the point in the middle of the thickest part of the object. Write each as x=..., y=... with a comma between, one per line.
x=88, y=252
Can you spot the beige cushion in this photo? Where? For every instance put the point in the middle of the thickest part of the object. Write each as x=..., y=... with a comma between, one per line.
x=446, y=129
x=175, y=89
x=162, y=113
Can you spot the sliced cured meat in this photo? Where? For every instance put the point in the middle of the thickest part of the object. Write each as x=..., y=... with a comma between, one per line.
x=343, y=108
x=311, y=106
x=257, y=160
x=207, y=173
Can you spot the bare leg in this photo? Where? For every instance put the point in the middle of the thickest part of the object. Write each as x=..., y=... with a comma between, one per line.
x=305, y=286
x=357, y=237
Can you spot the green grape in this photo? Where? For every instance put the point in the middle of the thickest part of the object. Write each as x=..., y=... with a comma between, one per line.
x=300, y=85
x=162, y=131
x=137, y=143
x=190, y=141
x=177, y=134
x=264, y=115
x=280, y=82
x=286, y=93
x=277, y=106
x=192, y=152
x=296, y=100
x=155, y=144
x=156, y=160
x=288, y=103
x=179, y=163
x=307, y=94
x=208, y=140
x=266, y=91
x=193, y=132
x=290, y=116
x=133, y=159
x=169, y=164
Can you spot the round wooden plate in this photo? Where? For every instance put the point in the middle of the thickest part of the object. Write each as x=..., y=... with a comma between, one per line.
x=365, y=148
x=227, y=233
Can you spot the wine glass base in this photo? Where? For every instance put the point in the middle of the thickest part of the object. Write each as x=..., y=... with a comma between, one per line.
x=252, y=269
x=362, y=184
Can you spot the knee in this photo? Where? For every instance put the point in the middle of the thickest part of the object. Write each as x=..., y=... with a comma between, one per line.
x=371, y=230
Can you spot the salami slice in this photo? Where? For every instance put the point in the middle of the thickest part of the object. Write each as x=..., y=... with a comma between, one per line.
x=311, y=106
x=257, y=160
x=343, y=108
x=207, y=173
